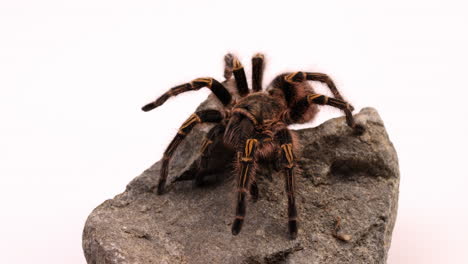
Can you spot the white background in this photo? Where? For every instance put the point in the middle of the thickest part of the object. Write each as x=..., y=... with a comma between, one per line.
x=73, y=76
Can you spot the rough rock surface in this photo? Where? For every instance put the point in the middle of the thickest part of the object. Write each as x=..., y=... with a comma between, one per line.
x=345, y=178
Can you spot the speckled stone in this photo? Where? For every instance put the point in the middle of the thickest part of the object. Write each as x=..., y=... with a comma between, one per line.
x=344, y=178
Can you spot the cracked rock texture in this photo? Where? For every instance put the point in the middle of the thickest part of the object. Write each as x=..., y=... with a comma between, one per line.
x=347, y=200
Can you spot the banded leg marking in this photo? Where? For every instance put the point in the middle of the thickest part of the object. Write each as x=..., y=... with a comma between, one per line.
x=216, y=87
x=290, y=187
x=246, y=161
x=314, y=76
x=321, y=77
x=338, y=103
x=241, y=80
x=295, y=77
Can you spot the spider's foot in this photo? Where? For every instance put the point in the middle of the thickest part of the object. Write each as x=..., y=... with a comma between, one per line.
x=161, y=187
x=148, y=107
x=237, y=226
x=292, y=225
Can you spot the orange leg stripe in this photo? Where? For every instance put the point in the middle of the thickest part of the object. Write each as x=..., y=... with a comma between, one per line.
x=289, y=77
x=193, y=118
x=207, y=81
x=237, y=64
x=205, y=145
x=287, y=149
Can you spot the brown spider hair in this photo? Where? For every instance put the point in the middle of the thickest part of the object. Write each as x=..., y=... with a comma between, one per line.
x=253, y=129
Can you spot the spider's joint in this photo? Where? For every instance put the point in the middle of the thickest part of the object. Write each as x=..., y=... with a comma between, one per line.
x=246, y=114
x=192, y=119
x=200, y=82
x=249, y=145
x=205, y=145
x=288, y=153
x=237, y=65
x=259, y=55
x=295, y=77
x=313, y=97
x=246, y=159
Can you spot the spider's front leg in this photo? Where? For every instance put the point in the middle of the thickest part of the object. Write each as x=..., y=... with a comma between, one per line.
x=298, y=109
x=340, y=104
x=284, y=138
x=246, y=163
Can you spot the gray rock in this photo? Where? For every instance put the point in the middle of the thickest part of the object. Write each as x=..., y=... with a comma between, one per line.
x=347, y=201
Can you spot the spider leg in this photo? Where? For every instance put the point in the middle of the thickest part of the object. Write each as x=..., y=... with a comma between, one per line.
x=187, y=126
x=239, y=76
x=284, y=138
x=298, y=109
x=338, y=103
x=301, y=106
x=216, y=87
x=297, y=77
x=321, y=77
x=232, y=65
x=247, y=168
x=206, y=151
x=257, y=71
x=254, y=190
x=201, y=166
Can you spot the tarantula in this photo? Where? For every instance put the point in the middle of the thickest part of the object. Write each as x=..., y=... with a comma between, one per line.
x=255, y=127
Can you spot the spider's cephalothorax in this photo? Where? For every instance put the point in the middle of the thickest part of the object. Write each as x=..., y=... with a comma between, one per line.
x=255, y=126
